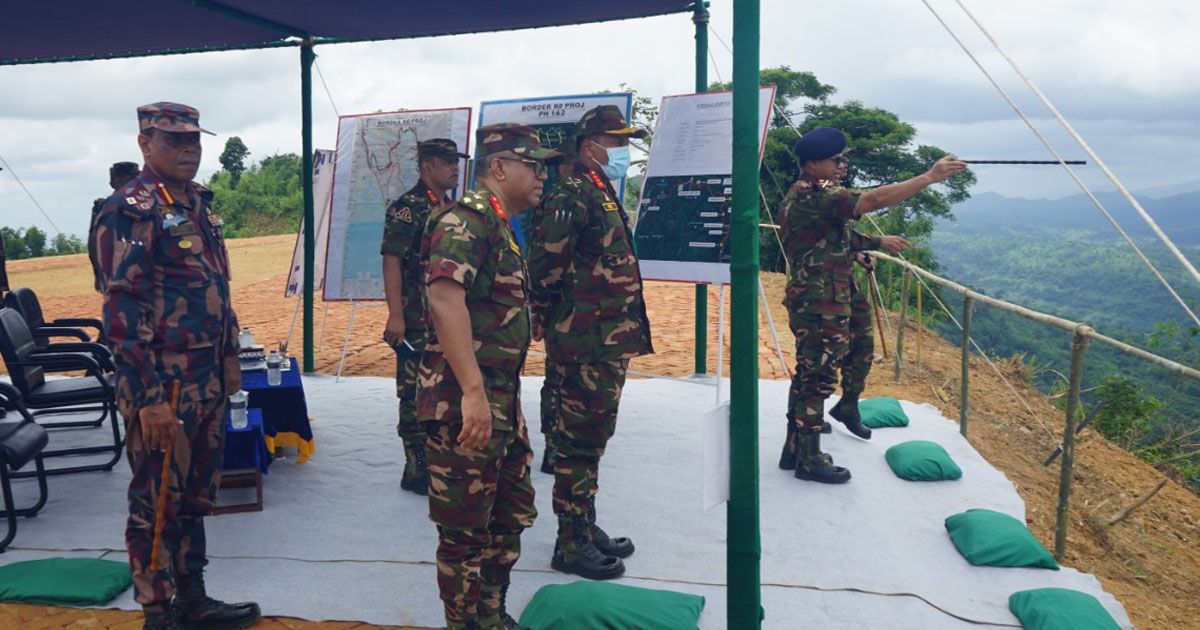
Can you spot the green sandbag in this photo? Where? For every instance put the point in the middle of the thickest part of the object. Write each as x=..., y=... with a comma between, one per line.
x=992, y=539
x=1060, y=609
x=607, y=606
x=922, y=460
x=880, y=413
x=64, y=581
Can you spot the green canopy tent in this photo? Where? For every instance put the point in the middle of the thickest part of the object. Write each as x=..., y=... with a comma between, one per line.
x=67, y=31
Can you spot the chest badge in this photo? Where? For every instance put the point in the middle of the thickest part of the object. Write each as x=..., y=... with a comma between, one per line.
x=610, y=206
x=185, y=244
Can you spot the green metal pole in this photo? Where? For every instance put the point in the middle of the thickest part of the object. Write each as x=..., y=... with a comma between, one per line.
x=310, y=245
x=700, y=19
x=743, y=546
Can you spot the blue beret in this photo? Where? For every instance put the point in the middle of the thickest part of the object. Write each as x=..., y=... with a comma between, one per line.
x=820, y=143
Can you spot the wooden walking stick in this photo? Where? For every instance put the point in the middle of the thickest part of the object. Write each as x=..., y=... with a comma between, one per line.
x=164, y=486
x=875, y=306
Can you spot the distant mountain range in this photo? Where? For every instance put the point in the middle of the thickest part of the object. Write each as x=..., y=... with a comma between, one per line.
x=1177, y=213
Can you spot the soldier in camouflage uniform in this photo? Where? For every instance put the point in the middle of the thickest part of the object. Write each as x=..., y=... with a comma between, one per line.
x=171, y=327
x=565, y=165
x=818, y=242
x=119, y=174
x=587, y=301
x=403, y=229
x=468, y=383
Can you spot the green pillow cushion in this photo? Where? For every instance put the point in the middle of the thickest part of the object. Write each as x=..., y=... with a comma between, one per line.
x=922, y=460
x=607, y=606
x=64, y=581
x=879, y=413
x=1060, y=609
x=993, y=539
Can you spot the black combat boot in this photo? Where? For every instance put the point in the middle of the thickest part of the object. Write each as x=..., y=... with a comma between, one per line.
x=506, y=619
x=812, y=464
x=846, y=412
x=548, y=461
x=575, y=553
x=198, y=611
x=492, y=617
x=620, y=547
x=165, y=619
x=787, y=459
x=416, y=474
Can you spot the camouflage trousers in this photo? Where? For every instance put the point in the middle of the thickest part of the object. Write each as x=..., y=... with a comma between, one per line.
x=588, y=397
x=196, y=459
x=481, y=501
x=857, y=363
x=408, y=428
x=549, y=407
x=822, y=342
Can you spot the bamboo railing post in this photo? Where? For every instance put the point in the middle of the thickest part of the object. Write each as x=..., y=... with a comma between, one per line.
x=963, y=404
x=1079, y=346
x=903, y=310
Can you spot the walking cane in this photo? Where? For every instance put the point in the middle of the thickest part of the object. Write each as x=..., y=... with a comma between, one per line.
x=875, y=306
x=164, y=486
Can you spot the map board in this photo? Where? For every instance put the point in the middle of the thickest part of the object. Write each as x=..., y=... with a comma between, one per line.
x=683, y=213
x=376, y=163
x=322, y=189
x=555, y=119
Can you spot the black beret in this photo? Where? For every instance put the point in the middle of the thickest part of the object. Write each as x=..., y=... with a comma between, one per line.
x=820, y=143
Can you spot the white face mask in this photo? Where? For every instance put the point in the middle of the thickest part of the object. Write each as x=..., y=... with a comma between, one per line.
x=619, y=160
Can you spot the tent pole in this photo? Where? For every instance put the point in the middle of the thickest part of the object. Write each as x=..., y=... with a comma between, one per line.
x=744, y=546
x=700, y=19
x=306, y=62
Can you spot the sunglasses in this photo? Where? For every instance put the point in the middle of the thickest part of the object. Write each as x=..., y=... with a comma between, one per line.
x=178, y=140
x=539, y=168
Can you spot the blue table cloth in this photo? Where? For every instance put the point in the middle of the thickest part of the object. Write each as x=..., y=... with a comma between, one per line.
x=246, y=448
x=284, y=410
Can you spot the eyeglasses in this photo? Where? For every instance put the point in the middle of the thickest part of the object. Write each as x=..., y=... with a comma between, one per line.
x=539, y=168
x=840, y=160
x=178, y=140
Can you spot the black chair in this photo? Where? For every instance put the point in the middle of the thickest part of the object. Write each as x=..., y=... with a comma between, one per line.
x=20, y=442
x=26, y=366
x=25, y=301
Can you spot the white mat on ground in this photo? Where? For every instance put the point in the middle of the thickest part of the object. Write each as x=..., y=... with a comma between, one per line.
x=872, y=553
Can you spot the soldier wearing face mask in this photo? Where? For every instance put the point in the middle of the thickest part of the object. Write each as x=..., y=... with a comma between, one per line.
x=586, y=301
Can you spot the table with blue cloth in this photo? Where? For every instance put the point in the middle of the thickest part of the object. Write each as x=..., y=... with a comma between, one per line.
x=284, y=411
x=246, y=448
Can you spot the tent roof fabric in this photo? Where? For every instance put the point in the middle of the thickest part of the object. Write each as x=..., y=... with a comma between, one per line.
x=69, y=30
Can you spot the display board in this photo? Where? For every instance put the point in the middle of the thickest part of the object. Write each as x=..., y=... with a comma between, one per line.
x=376, y=163
x=555, y=118
x=685, y=205
x=322, y=195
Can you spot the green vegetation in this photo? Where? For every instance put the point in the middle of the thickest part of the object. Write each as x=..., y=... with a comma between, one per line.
x=268, y=198
x=30, y=242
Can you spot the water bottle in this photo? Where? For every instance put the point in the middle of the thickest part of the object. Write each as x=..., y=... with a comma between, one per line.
x=274, y=369
x=237, y=410
x=245, y=339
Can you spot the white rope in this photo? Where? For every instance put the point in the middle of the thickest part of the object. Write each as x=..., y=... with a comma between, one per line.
x=31, y=197
x=328, y=94
x=1078, y=138
x=1069, y=170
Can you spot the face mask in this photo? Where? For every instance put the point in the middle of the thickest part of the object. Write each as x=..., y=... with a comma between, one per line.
x=618, y=162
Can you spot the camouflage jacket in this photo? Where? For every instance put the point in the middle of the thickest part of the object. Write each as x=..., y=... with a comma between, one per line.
x=403, y=230
x=860, y=242
x=819, y=245
x=167, y=310
x=93, y=255
x=585, y=285
x=470, y=243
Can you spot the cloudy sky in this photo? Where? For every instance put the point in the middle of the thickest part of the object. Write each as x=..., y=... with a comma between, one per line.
x=1126, y=74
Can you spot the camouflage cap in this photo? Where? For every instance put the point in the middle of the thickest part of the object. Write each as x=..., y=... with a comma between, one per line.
x=520, y=139
x=172, y=117
x=607, y=119
x=444, y=148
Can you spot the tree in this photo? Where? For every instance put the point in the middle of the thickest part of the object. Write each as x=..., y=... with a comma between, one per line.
x=35, y=242
x=64, y=244
x=14, y=243
x=268, y=200
x=233, y=159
